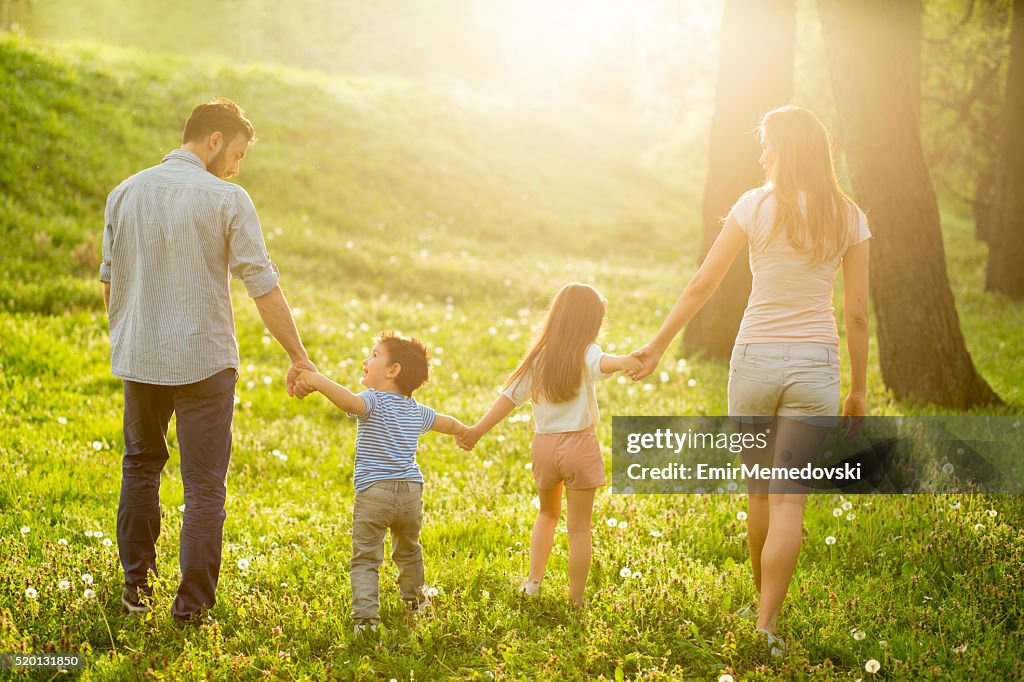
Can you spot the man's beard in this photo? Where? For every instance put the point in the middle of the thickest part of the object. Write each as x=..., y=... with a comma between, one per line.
x=217, y=164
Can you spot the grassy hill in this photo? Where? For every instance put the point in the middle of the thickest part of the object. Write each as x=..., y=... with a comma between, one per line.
x=455, y=217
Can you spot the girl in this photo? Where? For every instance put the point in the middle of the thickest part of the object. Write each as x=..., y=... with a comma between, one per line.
x=801, y=228
x=557, y=376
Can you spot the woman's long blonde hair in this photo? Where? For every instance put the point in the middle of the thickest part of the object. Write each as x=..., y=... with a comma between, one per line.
x=555, y=358
x=803, y=162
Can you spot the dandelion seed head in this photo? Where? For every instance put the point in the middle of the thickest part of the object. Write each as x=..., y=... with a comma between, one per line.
x=62, y=420
x=87, y=578
x=243, y=564
x=741, y=516
x=691, y=383
x=993, y=513
x=656, y=533
x=623, y=525
x=947, y=468
x=25, y=530
x=62, y=542
x=872, y=666
x=830, y=540
x=31, y=593
x=859, y=635
x=96, y=445
x=612, y=521
x=725, y=677
x=64, y=585
x=847, y=506
x=625, y=572
x=89, y=594
x=107, y=542
x=837, y=512
x=851, y=516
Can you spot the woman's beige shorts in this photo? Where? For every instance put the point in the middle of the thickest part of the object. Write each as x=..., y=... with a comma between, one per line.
x=573, y=457
x=794, y=380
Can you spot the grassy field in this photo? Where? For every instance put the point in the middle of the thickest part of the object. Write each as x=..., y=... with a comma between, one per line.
x=389, y=204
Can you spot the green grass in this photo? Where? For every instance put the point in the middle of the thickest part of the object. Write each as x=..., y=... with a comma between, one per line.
x=464, y=216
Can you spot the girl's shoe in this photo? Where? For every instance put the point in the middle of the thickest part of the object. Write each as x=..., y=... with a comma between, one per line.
x=530, y=588
x=776, y=646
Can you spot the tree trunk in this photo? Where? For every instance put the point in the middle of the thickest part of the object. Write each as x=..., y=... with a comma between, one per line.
x=755, y=74
x=1005, y=272
x=873, y=51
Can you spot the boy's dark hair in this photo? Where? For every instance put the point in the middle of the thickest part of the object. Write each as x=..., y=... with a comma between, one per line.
x=221, y=115
x=412, y=355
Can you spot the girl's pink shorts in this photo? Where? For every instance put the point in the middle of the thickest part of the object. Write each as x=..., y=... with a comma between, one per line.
x=573, y=457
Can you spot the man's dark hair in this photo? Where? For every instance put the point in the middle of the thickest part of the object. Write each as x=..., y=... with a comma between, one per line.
x=221, y=115
x=412, y=355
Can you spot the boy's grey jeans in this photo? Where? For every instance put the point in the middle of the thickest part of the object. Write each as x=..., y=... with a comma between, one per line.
x=397, y=505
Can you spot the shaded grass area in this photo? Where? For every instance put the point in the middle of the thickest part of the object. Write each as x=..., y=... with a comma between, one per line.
x=396, y=170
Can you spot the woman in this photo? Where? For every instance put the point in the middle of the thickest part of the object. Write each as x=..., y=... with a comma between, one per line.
x=800, y=228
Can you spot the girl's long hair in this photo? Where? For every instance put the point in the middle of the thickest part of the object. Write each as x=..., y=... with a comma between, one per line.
x=803, y=162
x=555, y=358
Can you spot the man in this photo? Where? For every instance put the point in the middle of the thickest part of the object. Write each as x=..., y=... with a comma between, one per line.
x=172, y=235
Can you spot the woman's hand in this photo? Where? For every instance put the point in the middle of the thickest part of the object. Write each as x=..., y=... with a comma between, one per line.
x=649, y=356
x=468, y=438
x=855, y=412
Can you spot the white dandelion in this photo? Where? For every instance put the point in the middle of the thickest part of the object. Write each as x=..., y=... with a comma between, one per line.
x=62, y=542
x=430, y=591
x=64, y=585
x=612, y=522
x=97, y=533
x=725, y=677
x=979, y=526
x=859, y=635
x=625, y=572
x=622, y=525
x=741, y=516
x=847, y=506
x=656, y=533
x=87, y=578
x=664, y=377
x=243, y=564
x=89, y=594
x=107, y=542
x=830, y=540
x=954, y=506
x=62, y=420
x=947, y=468
x=872, y=666
x=25, y=530
x=837, y=512
x=993, y=513
x=691, y=383
x=31, y=593
x=851, y=516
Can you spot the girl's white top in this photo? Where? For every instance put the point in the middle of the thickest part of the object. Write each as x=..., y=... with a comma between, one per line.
x=573, y=415
x=790, y=300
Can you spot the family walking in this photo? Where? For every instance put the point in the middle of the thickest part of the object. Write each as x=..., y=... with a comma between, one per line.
x=176, y=233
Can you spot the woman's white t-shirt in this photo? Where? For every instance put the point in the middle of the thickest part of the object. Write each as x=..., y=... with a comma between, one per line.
x=790, y=300
x=573, y=415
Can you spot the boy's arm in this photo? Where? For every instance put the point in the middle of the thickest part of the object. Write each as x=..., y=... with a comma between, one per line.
x=501, y=409
x=339, y=395
x=620, y=363
x=449, y=425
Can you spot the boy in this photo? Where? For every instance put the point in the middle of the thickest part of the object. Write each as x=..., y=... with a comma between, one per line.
x=388, y=482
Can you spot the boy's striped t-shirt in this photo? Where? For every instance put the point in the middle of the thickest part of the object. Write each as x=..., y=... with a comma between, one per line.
x=387, y=436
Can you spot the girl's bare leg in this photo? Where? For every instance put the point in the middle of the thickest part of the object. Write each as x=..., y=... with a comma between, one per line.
x=543, y=535
x=579, y=514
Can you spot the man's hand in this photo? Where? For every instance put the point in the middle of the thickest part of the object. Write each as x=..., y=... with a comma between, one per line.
x=296, y=388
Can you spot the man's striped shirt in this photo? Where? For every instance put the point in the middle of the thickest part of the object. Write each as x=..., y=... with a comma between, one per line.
x=386, y=438
x=173, y=236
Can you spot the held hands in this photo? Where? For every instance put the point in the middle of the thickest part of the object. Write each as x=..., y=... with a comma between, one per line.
x=292, y=377
x=305, y=383
x=468, y=438
x=649, y=357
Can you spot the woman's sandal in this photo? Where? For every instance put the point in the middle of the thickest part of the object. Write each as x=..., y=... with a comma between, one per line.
x=776, y=646
x=530, y=588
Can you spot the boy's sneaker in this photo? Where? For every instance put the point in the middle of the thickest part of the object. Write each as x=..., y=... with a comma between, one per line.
x=747, y=613
x=364, y=626
x=530, y=588
x=417, y=609
x=132, y=600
